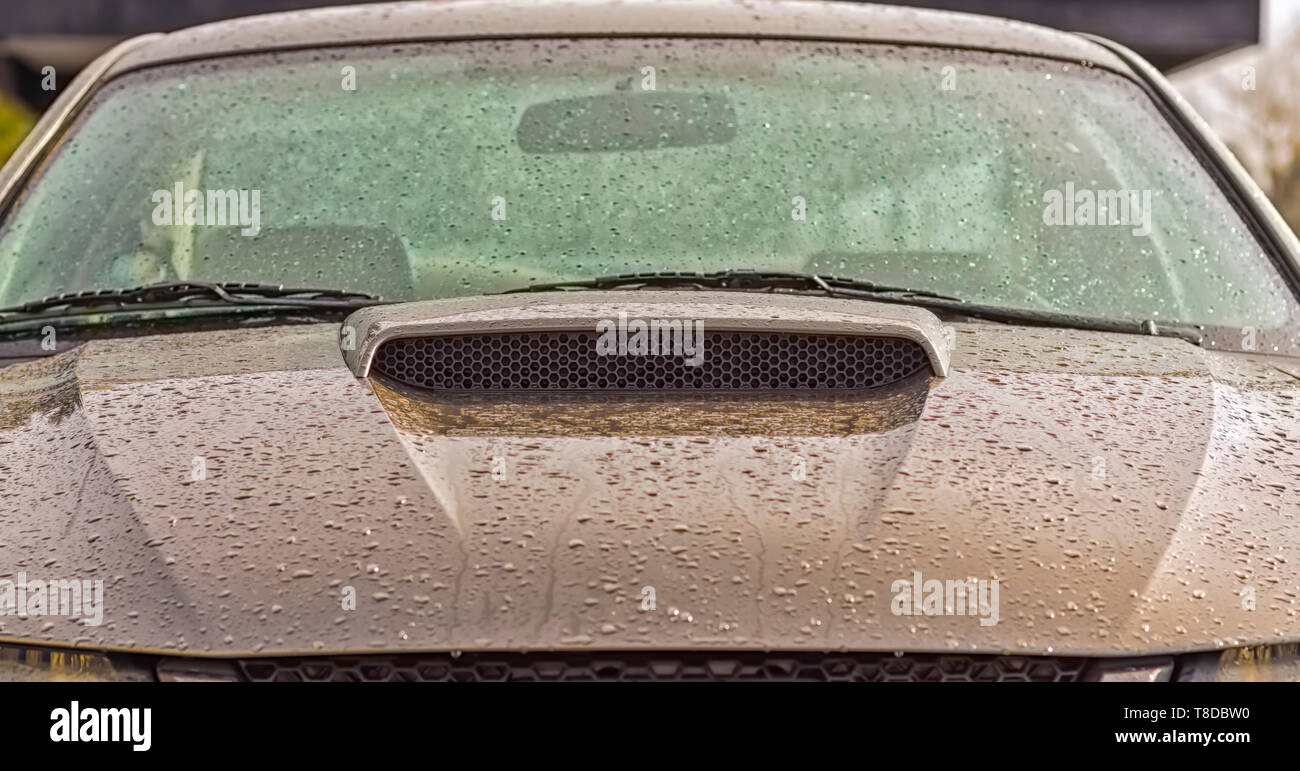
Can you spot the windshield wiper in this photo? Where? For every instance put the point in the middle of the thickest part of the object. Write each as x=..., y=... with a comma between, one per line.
x=742, y=279
x=834, y=286
x=186, y=294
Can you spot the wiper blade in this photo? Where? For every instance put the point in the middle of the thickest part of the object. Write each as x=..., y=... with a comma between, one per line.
x=834, y=286
x=182, y=293
x=742, y=279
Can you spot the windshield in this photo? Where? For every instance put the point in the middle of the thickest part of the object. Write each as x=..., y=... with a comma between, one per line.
x=447, y=169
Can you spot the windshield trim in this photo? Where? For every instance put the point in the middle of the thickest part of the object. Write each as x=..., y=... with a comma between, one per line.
x=53, y=126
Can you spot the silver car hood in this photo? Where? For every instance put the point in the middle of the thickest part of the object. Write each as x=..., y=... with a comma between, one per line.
x=1129, y=494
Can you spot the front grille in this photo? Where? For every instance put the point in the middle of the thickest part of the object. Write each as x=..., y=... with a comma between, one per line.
x=633, y=666
x=569, y=361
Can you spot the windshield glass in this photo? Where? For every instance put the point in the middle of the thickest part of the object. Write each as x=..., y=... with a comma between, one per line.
x=447, y=169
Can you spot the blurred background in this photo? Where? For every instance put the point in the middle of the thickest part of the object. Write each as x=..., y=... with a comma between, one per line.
x=1237, y=61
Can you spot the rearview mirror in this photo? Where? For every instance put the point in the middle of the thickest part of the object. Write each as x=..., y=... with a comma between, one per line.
x=622, y=121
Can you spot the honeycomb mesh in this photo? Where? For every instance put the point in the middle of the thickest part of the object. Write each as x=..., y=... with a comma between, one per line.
x=568, y=361
x=628, y=666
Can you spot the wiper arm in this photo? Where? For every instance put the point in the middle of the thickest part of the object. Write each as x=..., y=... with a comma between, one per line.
x=754, y=280
x=183, y=293
x=743, y=279
x=1193, y=334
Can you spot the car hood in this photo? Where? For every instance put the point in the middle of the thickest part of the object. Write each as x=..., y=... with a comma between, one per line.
x=242, y=492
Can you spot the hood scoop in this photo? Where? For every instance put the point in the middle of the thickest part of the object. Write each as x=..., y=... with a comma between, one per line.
x=647, y=341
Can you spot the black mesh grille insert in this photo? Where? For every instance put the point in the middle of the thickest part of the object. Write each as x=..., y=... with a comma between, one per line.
x=815, y=667
x=568, y=361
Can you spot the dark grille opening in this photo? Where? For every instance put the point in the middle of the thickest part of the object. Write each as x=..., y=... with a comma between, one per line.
x=568, y=361
x=631, y=666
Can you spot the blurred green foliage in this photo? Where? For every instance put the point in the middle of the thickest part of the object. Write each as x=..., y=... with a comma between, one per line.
x=15, y=121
